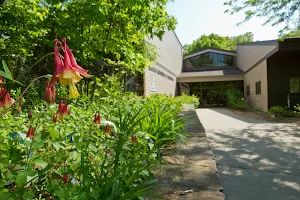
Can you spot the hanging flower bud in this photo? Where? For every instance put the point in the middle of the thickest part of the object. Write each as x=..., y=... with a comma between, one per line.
x=55, y=118
x=30, y=132
x=30, y=113
x=134, y=139
x=65, y=178
x=107, y=128
x=5, y=99
x=63, y=109
x=50, y=93
x=97, y=119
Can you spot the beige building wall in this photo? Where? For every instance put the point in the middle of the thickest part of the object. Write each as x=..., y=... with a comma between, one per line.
x=259, y=73
x=155, y=83
x=161, y=78
x=170, y=52
x=248, y=55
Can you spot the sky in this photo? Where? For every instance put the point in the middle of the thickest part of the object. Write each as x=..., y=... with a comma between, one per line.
x=198, y=17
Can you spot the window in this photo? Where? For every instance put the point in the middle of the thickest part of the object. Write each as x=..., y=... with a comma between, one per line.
x=258, y=87
x=153, y=86
x=248, y=90
x=209, y=59
x=295, y=85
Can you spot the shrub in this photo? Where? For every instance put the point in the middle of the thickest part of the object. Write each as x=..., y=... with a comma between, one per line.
x=281, y=111
x=236, y=100
x=186, y=99
x=297, y=108
x=277, y=110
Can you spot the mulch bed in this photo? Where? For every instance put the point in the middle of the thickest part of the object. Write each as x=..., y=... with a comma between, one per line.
x=259, y=115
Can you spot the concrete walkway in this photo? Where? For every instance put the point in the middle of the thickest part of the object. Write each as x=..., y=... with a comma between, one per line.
x=256, y=160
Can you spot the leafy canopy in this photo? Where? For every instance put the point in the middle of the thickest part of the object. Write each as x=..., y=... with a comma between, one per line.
x=276, y=11
x=109, y=31
x=217, y=41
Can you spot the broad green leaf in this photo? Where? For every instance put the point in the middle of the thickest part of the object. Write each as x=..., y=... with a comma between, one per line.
x=4, y=75
x=41, y=163
x=57, y=146
x=21, y=179
x=7, y=71
x=28, y=195
x=53, y=133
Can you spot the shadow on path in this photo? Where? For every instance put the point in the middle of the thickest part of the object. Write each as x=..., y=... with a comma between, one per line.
x=255, y=160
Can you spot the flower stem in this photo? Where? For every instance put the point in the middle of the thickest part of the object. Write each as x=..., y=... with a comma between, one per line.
x=19, y=98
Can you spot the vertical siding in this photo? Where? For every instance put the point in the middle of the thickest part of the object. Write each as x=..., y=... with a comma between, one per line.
x=170, y=52
x=162, y=84
x=259, y=73
x=248, y=55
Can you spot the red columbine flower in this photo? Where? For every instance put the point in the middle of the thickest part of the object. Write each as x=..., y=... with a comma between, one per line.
x=134, y=139
x=107, y=128
x=30, y=132
x=63, y=109
x=5, y=99
x=97, y=119
x=50, y=92
x=30, y=113
x=55, y=117
x=67, y=71
x=66, y=178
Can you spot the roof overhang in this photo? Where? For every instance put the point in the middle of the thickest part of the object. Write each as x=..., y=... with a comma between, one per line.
x=211, y=76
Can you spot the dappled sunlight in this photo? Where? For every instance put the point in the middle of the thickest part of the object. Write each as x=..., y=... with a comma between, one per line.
x=254, y=157
x=293, y=185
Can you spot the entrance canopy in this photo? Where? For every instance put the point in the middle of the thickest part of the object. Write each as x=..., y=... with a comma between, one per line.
x=230, y=74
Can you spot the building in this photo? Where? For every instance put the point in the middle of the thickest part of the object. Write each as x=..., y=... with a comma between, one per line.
x=268, y=72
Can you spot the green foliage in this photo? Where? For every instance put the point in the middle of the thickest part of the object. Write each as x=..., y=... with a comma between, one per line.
x=297, y=108
x=293, y=33
x=280, y=111
x=100, y=165
x=276, y=11
x=236, y=100
x=112, y=32
x=186, y=99
x=217, y=41
x=277, y=110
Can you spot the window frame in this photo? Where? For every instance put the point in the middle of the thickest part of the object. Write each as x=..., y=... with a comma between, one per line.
x=216, y=57
x=258, y=89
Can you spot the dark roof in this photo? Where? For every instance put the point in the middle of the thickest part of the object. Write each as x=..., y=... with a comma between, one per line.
x=203, y=49
x=213, y=72
x=265, y=42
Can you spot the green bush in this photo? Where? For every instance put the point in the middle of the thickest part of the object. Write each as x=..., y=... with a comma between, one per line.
x=277, y=110
x=281, y=111
x=186, y=99
x=297, y=108
x=235, y=100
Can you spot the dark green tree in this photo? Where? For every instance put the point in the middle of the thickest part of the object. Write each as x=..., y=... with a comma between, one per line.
x=112, y=32
x=217, y=41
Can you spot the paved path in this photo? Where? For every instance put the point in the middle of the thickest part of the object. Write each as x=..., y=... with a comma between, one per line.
x=256, y=160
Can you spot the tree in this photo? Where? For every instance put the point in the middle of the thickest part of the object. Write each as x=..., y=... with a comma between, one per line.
x=276, y=11
x=110, y=31
x=293, y=33
x=217, y=41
